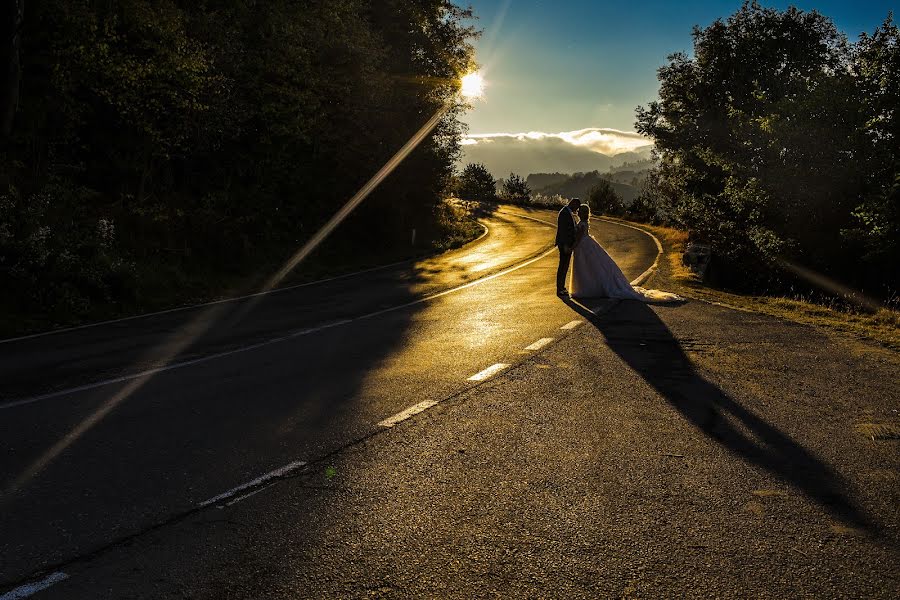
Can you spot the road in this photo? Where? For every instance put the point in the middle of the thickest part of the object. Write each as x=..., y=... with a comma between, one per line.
x=614, y=450
x=99, y=447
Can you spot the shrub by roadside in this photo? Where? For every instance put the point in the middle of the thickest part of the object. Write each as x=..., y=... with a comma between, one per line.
x=882, y=326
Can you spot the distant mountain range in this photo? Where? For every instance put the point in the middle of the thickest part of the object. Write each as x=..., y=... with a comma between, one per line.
x=626, y=180
x=505, y=155
x=578, y=185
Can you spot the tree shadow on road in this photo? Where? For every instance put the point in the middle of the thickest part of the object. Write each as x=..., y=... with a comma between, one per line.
x=639, y=337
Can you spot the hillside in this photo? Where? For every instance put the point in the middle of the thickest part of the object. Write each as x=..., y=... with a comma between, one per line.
x=503, y=156
x=538, y=181
x=579, y=184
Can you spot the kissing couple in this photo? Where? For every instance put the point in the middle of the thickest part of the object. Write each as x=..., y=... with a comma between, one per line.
x=595, y=274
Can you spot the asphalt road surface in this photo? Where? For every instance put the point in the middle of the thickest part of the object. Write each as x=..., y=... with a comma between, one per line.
x=330, y=441
x=98, y=446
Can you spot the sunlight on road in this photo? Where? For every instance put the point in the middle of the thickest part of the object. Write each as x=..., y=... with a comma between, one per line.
x=472, y=86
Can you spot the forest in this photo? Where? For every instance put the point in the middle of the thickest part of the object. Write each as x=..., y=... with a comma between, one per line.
x=156, y=148
x=778, y=142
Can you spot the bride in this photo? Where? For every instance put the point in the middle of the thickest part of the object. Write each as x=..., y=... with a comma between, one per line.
x=596, y=275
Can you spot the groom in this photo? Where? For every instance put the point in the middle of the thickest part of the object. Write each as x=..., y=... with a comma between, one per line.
x=565, y=240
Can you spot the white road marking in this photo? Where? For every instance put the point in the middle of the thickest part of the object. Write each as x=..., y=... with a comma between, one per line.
x=539, y=344
x=279, y=472
x=213, y=303
x=571, y=324
x=491, y=370
x=245, y=496
x=179, y=365
x=24, y=591
x=291, y=336
x=405, y=414
x=226, y=300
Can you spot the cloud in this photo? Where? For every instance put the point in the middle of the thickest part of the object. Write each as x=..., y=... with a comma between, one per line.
x=566, y=152
x=608, y=142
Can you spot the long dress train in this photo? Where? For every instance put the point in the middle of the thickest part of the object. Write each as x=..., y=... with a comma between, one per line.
x=596, y=275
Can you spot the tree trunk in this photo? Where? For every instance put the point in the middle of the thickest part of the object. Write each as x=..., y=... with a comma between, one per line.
x=11, y=15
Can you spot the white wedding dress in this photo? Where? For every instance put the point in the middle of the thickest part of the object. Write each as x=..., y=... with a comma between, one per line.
x=596, y=275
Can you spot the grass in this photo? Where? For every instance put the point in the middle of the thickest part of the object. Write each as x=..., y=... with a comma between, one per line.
x=882, y=326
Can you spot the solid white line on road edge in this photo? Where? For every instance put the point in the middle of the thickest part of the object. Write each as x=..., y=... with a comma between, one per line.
x=24, y=591
x=659, y=249
x=226, y=300
x=491, y=370
x=405, y=414
x=279, y=472
x=212, y=303
x=149, y=372
x=571, y=324
x=296, y=334
x=539, y=344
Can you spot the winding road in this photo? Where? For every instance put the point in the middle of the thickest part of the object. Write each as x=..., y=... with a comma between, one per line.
x=110, y=430
x=449, y=428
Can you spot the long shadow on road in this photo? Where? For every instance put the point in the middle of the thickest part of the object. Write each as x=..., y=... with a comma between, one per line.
x=639, y=337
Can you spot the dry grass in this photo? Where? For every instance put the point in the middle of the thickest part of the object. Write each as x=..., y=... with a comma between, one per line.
x=882, y=327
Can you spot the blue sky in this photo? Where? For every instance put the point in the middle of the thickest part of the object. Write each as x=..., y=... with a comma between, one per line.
x=566, y=65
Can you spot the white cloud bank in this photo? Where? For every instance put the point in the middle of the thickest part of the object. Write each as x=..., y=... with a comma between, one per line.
x=608, y=142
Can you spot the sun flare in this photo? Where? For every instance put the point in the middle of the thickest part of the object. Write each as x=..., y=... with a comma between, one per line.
x=472, y=85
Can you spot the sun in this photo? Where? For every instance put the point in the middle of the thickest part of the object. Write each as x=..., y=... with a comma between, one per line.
x=472, y=85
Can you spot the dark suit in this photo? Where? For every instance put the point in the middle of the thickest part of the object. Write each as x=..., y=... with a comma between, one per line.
x=565, y=240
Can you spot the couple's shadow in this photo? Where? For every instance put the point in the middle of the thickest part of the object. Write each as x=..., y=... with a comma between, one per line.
x=639, y=337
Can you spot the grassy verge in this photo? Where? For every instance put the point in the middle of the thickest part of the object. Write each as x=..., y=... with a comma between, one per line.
x=163, y=286
x=882, y=327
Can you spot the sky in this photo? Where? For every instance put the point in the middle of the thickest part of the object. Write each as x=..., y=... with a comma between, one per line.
x=562, y=66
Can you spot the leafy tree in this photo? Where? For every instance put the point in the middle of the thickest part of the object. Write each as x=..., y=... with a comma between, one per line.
x=765, y=141
x=876, y=66
x=515, y=189
x=477, y=183
x=158, y=141
x=604, y=200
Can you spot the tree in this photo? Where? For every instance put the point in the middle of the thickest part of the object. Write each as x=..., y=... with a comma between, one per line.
x=876, y=225
x=477, y=183
x=210, y=136
x=604, y=200
x=766, y=142
x=515, y=189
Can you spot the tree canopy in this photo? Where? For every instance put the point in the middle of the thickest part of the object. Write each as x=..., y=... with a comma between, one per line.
x=476, y=183
x=604, y=200
x=515, y=189
x=778, y=140
x=159, y=136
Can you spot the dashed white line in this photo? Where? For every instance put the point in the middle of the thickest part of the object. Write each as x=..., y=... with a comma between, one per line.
x=405, y=414
x=571, y=324
x=490, y=371
x=245, y=496
x=539, y=344
x=279, y=472
x=24, y=591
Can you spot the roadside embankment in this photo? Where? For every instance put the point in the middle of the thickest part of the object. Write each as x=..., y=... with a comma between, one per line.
x=882, y=326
